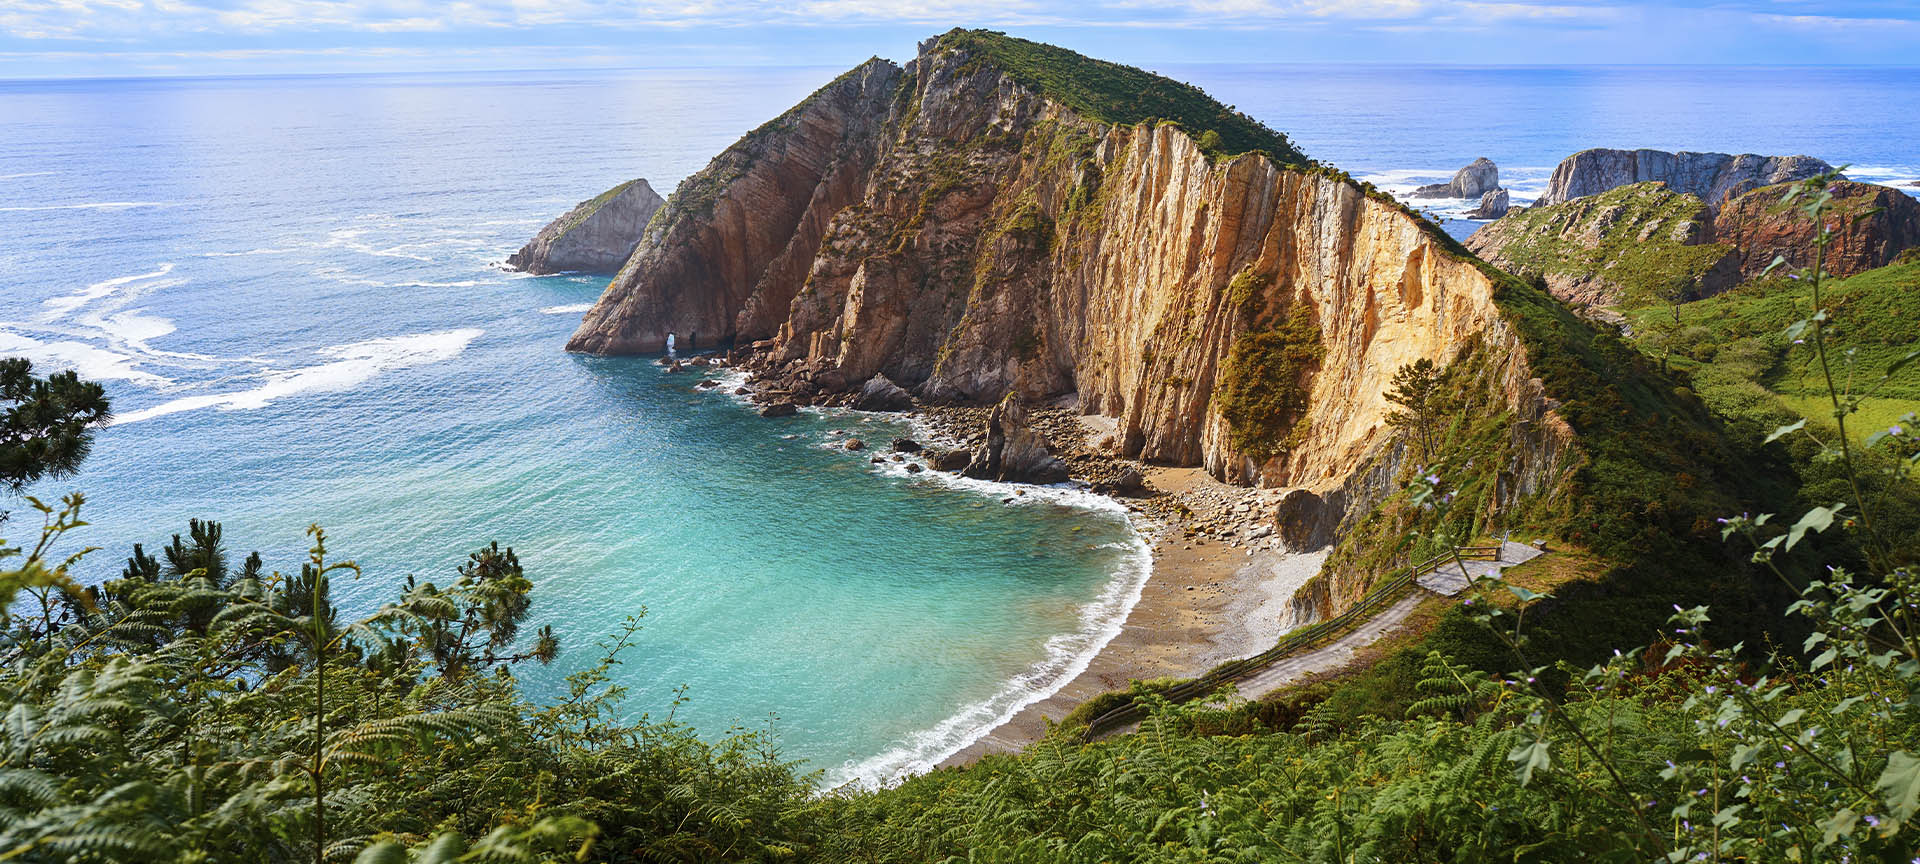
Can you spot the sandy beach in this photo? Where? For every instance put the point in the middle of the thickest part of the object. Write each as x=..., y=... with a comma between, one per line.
x=1209, y=600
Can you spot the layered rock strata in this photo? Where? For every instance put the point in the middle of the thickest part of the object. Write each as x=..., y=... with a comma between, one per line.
x=596, y=236
x=969, y=235
x=1871, y=226
x=1711, y=177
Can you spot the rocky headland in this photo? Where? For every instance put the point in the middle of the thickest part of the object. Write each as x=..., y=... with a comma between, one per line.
x=1711, y=177
x=597, y=236
x=1646, y=242
x=1029, y=239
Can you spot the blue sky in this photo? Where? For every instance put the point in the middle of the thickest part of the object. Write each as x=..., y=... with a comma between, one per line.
x=62, y=38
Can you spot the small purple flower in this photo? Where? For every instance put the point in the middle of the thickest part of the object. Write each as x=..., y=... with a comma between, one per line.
x=1799, y=341
x=1894, y=430
x=1433, y=479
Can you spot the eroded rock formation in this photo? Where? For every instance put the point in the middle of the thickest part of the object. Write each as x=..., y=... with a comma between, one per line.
x=596, y=236
x=968, y=235
x=1871, y=226
x=1642, y=242
x=1711, y=177
x=1493, y=205
x=1473, y=181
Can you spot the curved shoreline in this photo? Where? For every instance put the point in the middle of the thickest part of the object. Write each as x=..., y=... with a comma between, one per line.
x=1179, y=602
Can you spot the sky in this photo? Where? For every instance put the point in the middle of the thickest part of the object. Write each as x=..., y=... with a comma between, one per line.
x=95, y=38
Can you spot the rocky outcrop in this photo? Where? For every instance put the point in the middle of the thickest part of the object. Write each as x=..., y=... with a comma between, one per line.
x=880, y=394
x=1013, y=452
x=1493, y=205
x=1645, y=243
x=1637, y=243
x=1473, y=181
x=596, y=236
x=735, y=243
x=1711, y=177
x=1871, y=226
x=974, y=237
x=1306, y=521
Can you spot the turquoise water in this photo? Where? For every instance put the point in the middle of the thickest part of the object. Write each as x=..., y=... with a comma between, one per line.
x=290, y=287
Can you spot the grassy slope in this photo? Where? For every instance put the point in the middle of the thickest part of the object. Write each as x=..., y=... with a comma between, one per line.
x=1545, y=241
x=1112, y=93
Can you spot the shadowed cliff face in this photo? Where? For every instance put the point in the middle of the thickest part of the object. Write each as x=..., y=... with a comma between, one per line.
x=723, y=259
x=968, y=237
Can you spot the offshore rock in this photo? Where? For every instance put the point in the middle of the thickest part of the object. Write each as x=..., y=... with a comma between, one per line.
x=1493, y=205
x=1711, y=177
x=1871, y=225
x=596, y=236
x=780, y=409
x=1013, y=451
x=1473, y=181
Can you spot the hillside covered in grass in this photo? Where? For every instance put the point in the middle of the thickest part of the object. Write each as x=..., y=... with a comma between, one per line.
x=1124, y=95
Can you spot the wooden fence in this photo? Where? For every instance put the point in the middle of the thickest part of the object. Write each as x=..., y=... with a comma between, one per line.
x=1132, y=711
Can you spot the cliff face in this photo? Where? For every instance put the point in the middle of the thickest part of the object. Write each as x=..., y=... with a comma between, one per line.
x=1872, y=226
x=967, y=235
x=1711, y=177
x=734, y=243
x=596, y=236
x=1642, y=242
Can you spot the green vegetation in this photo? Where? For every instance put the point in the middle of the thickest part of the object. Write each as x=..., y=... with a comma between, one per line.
x=47, y=427
x=1631, y=239
x=1264, y=383
x=1416, y=390
x=1122, y=95
x=589, y=208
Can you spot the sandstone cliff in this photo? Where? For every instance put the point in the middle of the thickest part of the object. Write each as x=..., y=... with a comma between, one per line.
x=1711, y=177
x=1639, y=243
x=1473, y=181
x=983, y=222
x=596, y=236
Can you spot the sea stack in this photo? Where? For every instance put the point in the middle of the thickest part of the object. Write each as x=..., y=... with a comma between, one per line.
x=1711, y=177
x=597, y=236
x=1473, y=181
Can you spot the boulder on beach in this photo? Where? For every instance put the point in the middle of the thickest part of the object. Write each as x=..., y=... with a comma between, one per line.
x=881, y=394
x=706, y=383
x=855, y=444
x=780, y=409
x=1013, y=451
x=1307, y=521
x=1473, y=181
x=905, y=445
x=954, y=461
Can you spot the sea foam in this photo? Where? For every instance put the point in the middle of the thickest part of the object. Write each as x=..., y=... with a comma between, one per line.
x=353, y=364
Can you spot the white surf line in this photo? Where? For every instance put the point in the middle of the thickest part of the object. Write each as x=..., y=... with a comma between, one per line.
x=1065, y=656
x=91, y=205
x=356, y=363
x=571, y=309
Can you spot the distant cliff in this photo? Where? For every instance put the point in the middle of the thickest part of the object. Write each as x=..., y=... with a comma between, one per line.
x=596, y=236
x=1644, y=242
x=1711, y=177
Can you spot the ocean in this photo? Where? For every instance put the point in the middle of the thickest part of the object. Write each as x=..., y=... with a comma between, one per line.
x=291, y=288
